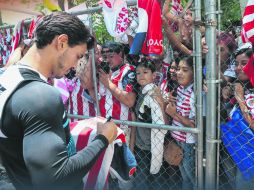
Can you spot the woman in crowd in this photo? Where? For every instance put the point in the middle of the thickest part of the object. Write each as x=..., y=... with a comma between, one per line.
x=242, y=99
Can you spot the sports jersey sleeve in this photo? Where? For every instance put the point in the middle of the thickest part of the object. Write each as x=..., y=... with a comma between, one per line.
x=129, y=81
x=44, y=144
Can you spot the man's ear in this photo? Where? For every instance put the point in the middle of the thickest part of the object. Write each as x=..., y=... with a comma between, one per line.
x=62, y=42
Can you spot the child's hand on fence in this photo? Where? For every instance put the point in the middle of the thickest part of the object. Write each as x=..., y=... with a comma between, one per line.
x=204, y=46
x=171, y=109
x=156, y=94
x=192, y=124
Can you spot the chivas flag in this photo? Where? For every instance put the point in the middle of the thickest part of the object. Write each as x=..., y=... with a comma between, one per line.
x=248, y=36
x=83, y=132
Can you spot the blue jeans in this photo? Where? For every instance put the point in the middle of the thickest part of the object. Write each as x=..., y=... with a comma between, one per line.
x=187, y=166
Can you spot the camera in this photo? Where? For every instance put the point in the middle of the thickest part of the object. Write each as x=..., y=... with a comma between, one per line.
x=104, y=65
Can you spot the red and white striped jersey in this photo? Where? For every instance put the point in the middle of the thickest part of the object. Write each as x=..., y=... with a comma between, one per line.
x=75, y=97
x=80, y=102
x=185, y=107
x=109, y=106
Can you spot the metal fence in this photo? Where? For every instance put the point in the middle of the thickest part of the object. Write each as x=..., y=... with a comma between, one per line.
x=169, y=176
x=214, y=159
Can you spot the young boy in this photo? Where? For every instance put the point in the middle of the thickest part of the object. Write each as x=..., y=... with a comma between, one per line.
x=148, y=142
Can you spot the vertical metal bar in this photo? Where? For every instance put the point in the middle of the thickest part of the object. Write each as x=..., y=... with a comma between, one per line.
x=198, y=91
x=219, y=106
x=211, y=128
x=95, y=82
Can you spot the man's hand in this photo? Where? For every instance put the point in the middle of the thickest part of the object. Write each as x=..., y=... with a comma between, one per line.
x=104, y=78
x=108, y=129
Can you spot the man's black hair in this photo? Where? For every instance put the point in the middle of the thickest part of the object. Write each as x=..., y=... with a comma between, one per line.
x=58, y=23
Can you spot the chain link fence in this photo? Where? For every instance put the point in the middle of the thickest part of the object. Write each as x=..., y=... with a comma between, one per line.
x=142, y=120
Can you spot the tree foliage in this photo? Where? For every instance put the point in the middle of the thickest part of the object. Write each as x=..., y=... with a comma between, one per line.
x=231, y=14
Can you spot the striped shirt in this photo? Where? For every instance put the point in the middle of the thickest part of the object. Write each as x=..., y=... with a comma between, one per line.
x=80, y=102
x=75, y=97
x=185, y=107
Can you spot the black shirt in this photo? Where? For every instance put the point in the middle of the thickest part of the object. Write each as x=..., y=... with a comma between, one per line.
x=35, y=153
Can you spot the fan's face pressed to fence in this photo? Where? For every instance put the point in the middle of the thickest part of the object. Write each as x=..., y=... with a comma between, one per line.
x=68, y=59
x=144, y=76
x=241, y=61
x=184, y=74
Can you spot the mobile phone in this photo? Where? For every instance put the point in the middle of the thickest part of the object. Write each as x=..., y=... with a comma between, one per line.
x=104, y=65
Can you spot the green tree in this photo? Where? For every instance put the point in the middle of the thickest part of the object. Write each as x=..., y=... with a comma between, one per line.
x=231, y=14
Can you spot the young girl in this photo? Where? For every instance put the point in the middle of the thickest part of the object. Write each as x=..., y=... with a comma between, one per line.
x=149, y=142
x=183, y=113
x=244, y=95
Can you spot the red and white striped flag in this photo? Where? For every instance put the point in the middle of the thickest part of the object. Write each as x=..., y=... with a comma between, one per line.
x=176, y=7
x=83, y=133
x=248, y=23
x=248, y=36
